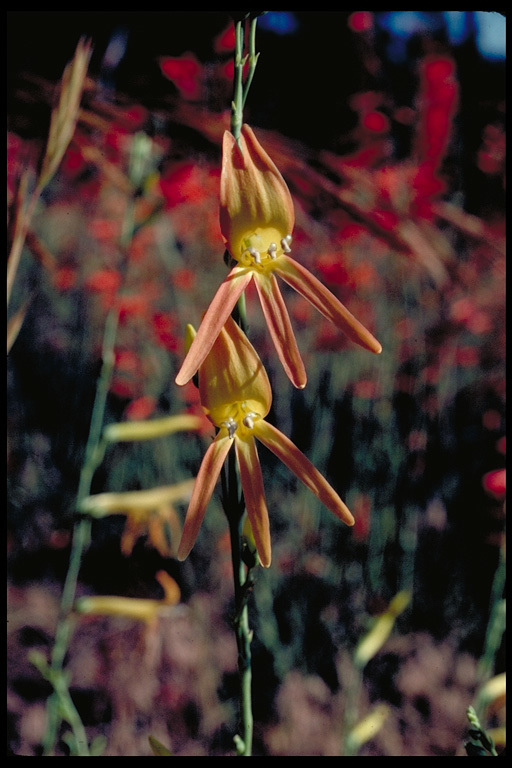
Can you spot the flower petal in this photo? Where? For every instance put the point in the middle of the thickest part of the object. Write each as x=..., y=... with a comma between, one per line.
x=205, y=482
x=279, y=326
x=213, y=321
x=253, y=194
x=301, y=466
x=233, y=373
x=325, y=302
x=254, y=495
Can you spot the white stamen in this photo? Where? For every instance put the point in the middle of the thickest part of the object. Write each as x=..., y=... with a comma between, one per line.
x=285, y=244
x=231, y=426
x=272, y=250
x=255, y=254
x=249, y=420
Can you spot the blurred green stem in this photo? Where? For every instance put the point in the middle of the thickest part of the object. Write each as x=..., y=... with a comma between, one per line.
x=497, y=622
x=81, y=536
x=60, y=701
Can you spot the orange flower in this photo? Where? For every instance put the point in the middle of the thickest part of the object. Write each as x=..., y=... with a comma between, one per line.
x=256, y=221
x=236, y=396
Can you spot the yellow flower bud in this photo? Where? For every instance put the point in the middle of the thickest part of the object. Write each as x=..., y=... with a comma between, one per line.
x=102, y=504
x=373, y=641
x=151, y=428
x=368, y=728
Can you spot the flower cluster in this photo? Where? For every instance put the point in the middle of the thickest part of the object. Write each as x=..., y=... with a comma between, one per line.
x=256, y=221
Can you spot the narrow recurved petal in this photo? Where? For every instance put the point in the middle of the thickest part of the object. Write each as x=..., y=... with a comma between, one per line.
x=203, y=488
x=279, y=326
x=301, y=466
x=326, y=302
x=213, y=321
x=254, y=495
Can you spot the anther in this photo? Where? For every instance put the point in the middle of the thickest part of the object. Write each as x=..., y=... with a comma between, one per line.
x=255, y=254
x=272, y=250
x=231, y=426
x=285, y=244
x=249, y=420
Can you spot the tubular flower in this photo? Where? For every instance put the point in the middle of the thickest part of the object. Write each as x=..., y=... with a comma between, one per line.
x=135, y=608
x=256, y=221
x=236, y=396
x=148, y=512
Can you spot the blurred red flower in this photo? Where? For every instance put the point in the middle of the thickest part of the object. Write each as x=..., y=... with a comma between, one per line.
x=165, y=330
x=141, y=408
x=185, y=72
x=103, y=281
x=184, y=279
x=225, y=41
x=183, y=182
x=360, y=21
x=495, y=483
x=64, y=278
x=376, y=122
x=438, y=100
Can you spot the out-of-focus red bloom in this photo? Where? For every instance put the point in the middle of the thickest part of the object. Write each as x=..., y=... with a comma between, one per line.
x=64, y=278
x=495, y=483
x=364, y=274
x=127, y=360
x=164, y=328
x=103, y=281
x=466, y=311
x=491, y=419
x=426, y=186
x=362, y=506
x=225, y=41
x=184, y=279
x=183, y=183
x=352, y=231
x=438, y=101
x=333, y=271
x=185, y=72
x=141, y=408
x=360, y=21
x=492, y=154
x=386, y=220
x=134, y=305
x=366, y=389
x=466, y=356
x=73, y=162
x=375, y=121
x=105, y=229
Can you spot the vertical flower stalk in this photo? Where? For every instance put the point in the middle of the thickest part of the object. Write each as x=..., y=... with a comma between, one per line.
x=233, y=502
x=80, y=542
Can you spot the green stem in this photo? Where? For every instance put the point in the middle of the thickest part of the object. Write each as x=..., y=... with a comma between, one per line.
x=81, y=537
x=253, y=58
x=235, y=512
x=240, y=92
x=60, y=701
x=237, y=105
